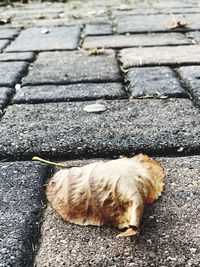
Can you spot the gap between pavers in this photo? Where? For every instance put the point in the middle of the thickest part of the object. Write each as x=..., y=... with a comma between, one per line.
x=169, y=230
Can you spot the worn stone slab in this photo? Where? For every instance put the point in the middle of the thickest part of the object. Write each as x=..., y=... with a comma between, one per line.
x=24, y=56
x=64, y=130
x=121, y=41
x=73, y=92
x=21, y=197
x=191, y=76
x=12, y=72
x=154, y=82
x=169, y=231
x=155, y=23
x=8, y=33
x=5, y=93
x=97, y=29
x=165, y=55
x=3, y=43
x=76, y=66
x=38, y=39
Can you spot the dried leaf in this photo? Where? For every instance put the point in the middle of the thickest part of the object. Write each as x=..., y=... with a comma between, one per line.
x=107, y=193
x=95, y=51
x=5, y=21
x=177, y=24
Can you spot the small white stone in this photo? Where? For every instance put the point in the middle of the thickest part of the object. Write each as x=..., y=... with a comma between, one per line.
x=180, y=149
x=17, y=86
x=45, y=31
x=95, y=108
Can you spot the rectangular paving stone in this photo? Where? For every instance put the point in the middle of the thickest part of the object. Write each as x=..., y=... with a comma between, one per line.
x=41, y=39
x=12, y=72
x=5, y=93
x=21, y=197
x=154, y=82
x=8, y=33
x=97, y=29
x=24, y=56
x=76, y=66
x=73, y=92
x=121, y=41
x=169, y=233
x=3, y=43
x=155, y=23
x=65, y=130
x=191, y=77
x=165, y=55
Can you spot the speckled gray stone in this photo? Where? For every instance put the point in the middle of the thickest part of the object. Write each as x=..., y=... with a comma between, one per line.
x=3, y=43
x=97, y=29
x=120, y=41
x=73, y=92
x=169, y=231
x=58, y=38
x=154, y=82
x=164, y=55
x=191, y=76
x=8, y=33
x=155, y=23
x=61, y=130
x=21, y=196
x=11, y=72
x=5, y=93
x=75, y=66
x=25, y=56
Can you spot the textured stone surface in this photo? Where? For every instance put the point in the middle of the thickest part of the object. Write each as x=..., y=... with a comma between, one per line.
x=11, y=72
x=21, y=196
x=191, y=76
x=8, y=33
x=3, y=43
x=195, y=36
x=64, y=129
x=154, y=82
x=25, y=56
x=160, y=55
x=76, y=66
x=35, y=39
x=156, y=23
x=120, y=41
x=97, y=29
x=169, y=230
x=5, y=92
x=74, y=92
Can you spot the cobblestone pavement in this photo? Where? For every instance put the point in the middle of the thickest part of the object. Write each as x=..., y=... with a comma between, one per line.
x=135, y=58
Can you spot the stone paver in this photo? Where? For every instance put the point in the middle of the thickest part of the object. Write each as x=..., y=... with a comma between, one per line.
x=8, y=33
x=3, y=43
x=169, y=231
x=65, y=130
x=97, y=29
x=154, y=82
x=191, y=76
x=25, y=56
x=75, y=66
x=21, y=196
x=164, y=55
x=74, y=92
x=12, y=72
x=119, y=41
x=155, y=23
x=5, y=93
x=41, y=39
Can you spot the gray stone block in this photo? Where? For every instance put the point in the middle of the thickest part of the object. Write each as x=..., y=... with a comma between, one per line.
x=152, y=56
x=25, y=56
x=76, y=66
x=154, y=82
x=191, y=76
x=21, y=197
x=62, y=130
x=3, y=43
x=8, y=33
x=97, y=29
x=120, y=41
x=12, y=72
x=74, y=92
x=155, y=23
x=5, y=93
x=169, y=231
x=57, y=38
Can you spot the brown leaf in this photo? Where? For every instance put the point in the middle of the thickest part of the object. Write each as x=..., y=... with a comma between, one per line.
x=177, y=24
x=107, y=193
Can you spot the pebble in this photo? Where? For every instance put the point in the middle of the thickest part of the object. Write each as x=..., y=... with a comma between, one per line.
x=95, y=108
